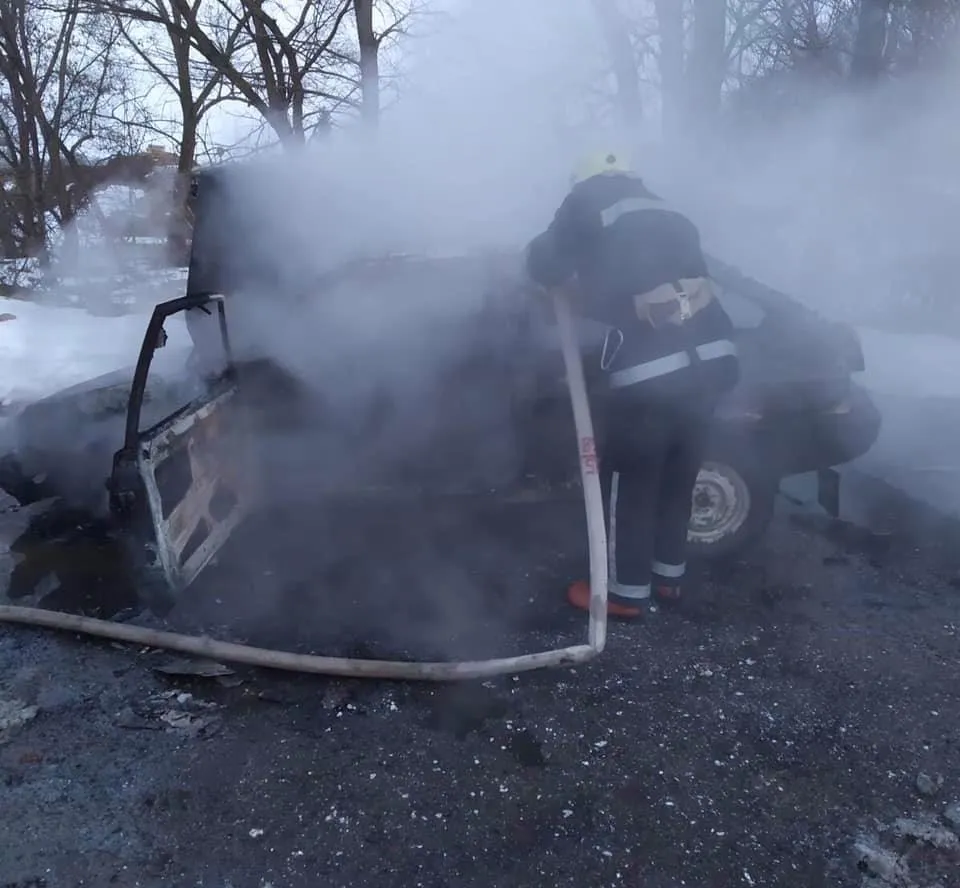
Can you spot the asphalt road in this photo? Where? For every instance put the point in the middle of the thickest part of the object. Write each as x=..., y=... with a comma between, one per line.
x=771, y=731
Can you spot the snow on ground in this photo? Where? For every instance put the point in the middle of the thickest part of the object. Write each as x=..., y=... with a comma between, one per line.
x=915, y=365
x=915, y=382
x=45, y=349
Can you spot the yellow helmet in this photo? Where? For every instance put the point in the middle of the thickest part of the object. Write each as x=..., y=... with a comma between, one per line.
x=598, y=164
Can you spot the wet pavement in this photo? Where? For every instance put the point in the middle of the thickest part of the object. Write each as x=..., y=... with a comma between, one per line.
x=795, y=722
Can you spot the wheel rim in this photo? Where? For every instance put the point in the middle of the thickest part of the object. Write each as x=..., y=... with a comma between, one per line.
x=721, y=504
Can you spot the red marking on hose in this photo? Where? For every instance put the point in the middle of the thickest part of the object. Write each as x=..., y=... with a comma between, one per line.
x=588, y=455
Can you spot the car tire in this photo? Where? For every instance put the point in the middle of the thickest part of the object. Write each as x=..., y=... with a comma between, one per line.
x=732, y=507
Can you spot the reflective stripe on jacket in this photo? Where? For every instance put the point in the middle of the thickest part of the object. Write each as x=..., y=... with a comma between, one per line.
x=640, y=270
x=709, y=351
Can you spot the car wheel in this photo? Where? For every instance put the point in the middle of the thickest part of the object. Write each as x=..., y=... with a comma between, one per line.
x=731, y=508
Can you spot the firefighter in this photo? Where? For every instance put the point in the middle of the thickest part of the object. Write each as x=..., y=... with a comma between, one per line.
x=636, y=265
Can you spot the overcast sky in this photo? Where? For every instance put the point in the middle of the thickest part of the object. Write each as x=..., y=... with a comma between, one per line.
x=515, y=65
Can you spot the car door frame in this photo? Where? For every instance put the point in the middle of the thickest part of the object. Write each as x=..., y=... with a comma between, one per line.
x=157, y=535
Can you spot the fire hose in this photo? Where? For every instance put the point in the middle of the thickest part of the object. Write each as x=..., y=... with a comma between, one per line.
x=202, y=646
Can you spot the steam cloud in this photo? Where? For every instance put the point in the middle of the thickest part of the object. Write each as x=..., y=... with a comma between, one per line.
x=827, y=203
x=476, y=156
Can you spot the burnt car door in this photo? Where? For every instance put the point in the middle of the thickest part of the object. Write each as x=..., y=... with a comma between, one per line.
x=182, y=485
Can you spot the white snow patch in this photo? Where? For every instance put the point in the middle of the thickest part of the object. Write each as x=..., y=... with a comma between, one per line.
x=915, y=365
x=46, y=349
x=914, y=380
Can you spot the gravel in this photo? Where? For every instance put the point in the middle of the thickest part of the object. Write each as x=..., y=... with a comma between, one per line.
x=768, y=732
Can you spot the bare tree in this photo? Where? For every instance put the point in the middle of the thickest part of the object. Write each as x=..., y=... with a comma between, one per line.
x=393, y=16
x=713, y=48
x=671, y=31
x=61, y=85
x=804, y=44
x=369, y=47
x=707, y=67
x=196, y=86
x=287, y=61
x=868, y=48
x=921, y=32
x=692, y=79
x=617, y=33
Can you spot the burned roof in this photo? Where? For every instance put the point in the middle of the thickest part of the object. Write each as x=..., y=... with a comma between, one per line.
x=242, y=241
x=251, y=233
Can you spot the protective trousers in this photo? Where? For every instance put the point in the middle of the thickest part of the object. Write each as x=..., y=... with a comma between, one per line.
x=650, y=455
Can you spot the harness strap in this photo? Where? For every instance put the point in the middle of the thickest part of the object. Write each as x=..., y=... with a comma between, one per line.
x=674, y=302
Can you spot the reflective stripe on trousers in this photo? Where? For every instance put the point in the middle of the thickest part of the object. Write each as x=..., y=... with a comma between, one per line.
x=669, y=571
x=660, y=569
x=614, y=587
x=719, y=348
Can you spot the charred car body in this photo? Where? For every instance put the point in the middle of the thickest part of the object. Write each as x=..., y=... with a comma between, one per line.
x=181, y=454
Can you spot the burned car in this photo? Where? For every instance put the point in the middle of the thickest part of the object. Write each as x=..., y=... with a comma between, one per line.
x=456, y=386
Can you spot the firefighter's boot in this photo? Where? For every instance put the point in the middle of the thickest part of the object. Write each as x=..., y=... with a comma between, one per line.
x=578, y=594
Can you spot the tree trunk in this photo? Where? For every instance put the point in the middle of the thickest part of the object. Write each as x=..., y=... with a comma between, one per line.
x=867, y=63
x=369, y=62
x=707, y=67
x=616, y=33
x=670, y=21
x=68, y=254
x=179, y=230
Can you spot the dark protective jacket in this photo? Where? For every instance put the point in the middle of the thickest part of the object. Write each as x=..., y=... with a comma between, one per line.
x=620, y=241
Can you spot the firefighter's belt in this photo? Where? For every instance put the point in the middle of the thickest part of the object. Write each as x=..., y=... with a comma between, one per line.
x=675, y=302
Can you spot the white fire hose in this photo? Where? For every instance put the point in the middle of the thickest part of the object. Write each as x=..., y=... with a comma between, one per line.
x=210, y=648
